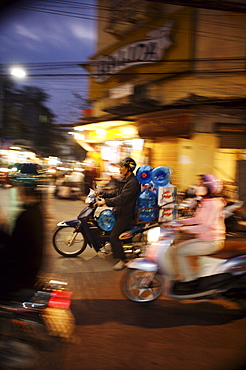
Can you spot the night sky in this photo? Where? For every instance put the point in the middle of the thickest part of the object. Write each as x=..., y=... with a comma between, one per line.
x=50, y=37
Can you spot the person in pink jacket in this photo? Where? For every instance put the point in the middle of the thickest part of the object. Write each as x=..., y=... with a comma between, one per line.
x=207, y=224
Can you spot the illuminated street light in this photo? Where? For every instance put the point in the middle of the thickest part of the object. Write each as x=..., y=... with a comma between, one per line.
x=18, y=72
x=76, y=135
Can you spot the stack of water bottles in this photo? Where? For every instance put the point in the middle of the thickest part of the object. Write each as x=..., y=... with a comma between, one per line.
x=157, y=199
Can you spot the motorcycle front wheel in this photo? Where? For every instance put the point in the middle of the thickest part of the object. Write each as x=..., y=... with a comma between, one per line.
x=68, y=242
x=140, y=286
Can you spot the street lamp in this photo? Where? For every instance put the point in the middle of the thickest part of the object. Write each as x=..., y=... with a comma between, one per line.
x=18, y=72
x=15, y=72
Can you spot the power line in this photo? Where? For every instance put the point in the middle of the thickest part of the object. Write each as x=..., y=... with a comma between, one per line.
x=107, y=18
x=79, y=64
x=229, y=6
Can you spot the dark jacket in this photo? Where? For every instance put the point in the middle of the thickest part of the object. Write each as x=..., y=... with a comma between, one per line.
x=21, y=252
x=123, y=199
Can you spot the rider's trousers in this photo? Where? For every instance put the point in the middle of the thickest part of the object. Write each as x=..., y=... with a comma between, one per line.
x=186, y=249
x=122, y=223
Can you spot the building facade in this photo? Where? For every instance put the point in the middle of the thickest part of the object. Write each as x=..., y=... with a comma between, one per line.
x=168, y=84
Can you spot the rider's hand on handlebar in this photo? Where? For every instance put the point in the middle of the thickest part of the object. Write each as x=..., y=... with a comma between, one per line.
x=174, y=225
x=100, y=203
x=178, y=228
x=98, y=193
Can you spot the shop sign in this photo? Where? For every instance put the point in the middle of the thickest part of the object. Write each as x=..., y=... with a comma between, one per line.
x=172, y=125
x=121, y=91
x=150, y=50
x=116, y=133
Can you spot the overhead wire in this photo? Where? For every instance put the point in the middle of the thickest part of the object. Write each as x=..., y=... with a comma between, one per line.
x=203, y=33
x=80, y=80
x=63, y=74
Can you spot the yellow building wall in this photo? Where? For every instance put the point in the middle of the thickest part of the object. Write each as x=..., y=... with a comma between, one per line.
x=186, y=164
x=209, y=34
x=188, y=158
x=180, y=49
x=104, y=39
x=219, y=35
x=225, y=163
x=164, y=153
x=195, y=157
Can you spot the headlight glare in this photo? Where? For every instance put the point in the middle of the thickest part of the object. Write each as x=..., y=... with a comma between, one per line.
x=153, y=234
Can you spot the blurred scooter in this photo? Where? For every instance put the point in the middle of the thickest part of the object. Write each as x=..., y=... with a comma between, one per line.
x=232, y=212
x=31, y=324
x=219, y=276
x=233, y=217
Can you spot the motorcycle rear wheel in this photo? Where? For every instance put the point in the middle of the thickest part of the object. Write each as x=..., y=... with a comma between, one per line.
x=133, y=287
x=67, y=242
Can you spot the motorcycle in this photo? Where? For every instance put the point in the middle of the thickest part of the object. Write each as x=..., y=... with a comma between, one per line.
x=32, y=322
x=233, y=220
x=220, y=276
x=71, y=237
x=233, y=217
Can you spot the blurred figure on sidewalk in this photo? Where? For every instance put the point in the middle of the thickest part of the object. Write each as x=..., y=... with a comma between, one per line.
x=21, y=250
x=90, y=176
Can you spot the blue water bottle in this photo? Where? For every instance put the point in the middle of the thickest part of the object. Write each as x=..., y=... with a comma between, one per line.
x=147, y=206
x=161, y=175
x=143, y=174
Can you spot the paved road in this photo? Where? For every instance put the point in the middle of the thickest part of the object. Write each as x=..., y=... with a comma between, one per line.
x=114, y=333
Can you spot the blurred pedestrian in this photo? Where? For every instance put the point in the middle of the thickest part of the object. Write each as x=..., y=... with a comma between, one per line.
x=21, y=250
x=90, y=176
x=77, y=180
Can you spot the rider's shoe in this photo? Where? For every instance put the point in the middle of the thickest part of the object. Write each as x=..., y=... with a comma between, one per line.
x=120, y=265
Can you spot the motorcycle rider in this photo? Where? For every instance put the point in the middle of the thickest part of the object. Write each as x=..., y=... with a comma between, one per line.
x=21, y=250
x=123, y=200
x=207, y=224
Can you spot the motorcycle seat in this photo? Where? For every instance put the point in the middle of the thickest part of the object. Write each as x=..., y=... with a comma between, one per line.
x=232, y=248
x=226, y=254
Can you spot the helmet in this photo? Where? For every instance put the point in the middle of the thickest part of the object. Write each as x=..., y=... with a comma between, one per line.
x=213, y=183
x=129, y=163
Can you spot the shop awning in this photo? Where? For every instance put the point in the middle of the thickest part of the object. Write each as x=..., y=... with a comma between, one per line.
x=107, y=130
x=87, y=147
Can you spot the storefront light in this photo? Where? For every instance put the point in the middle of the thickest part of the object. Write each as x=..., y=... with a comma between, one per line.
x=79, y=128
x=137, y=144
x=53, y=161
x=101, y=132
x=109, y=153
x=129, y=131
x=79, y=137
x=14, y=148
x=114, y=143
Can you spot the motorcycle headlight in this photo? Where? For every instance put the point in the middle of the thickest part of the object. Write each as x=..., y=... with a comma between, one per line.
x=153, y=234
